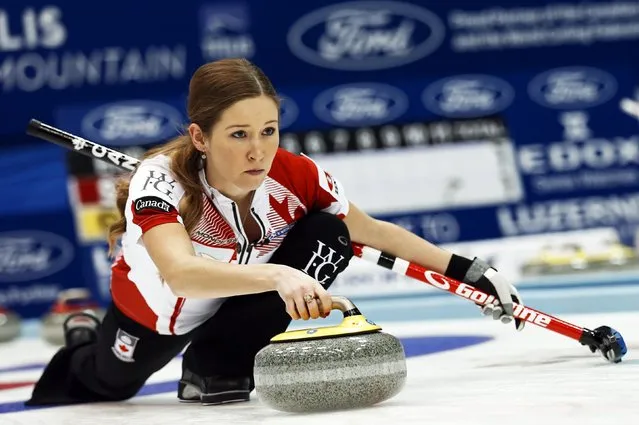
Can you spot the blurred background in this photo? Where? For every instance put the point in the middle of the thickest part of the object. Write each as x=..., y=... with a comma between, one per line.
x=494, y=129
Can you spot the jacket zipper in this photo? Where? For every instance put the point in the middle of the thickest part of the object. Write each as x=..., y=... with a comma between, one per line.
x=259, y=223
x=243, y=246
x=247, y=247
x=248, y=253
x=251, y=245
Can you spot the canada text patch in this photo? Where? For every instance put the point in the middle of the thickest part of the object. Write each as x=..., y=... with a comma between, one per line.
x=152, y=203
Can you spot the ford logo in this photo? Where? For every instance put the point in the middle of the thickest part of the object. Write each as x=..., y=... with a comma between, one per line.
x=468, y=96
x=360, y=104
x=134, y=122
x=572, y=88
x=288, y=112
x=364, y=36
x=32, y=254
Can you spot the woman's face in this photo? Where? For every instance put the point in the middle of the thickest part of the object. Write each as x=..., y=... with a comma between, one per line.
x=242, y=145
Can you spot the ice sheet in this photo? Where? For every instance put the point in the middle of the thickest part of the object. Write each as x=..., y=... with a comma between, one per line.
x=533, y=377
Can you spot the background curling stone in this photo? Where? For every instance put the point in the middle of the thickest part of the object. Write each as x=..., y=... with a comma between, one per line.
x=10, y=325
x=350, y=365
x=69, y=301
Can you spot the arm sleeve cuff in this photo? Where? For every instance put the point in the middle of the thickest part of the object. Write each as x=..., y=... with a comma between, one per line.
x=458, y=267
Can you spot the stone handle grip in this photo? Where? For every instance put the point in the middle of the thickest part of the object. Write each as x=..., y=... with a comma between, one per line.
x=344, y=305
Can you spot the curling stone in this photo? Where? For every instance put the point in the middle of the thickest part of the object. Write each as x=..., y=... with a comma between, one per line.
x=349, y=365
x=10, y=325
x=69, y=301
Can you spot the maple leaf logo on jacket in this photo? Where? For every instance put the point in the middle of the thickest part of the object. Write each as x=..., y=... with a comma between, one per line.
x=282, y=209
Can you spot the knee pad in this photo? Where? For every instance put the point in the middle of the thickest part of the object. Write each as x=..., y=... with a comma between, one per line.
x=319, y=244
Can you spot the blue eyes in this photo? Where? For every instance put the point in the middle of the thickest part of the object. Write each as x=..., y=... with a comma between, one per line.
x=240, y=134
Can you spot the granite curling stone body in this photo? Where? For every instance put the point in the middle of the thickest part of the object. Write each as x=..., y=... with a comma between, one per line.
x=10, y=325
x=69, y=301
x=339, y=367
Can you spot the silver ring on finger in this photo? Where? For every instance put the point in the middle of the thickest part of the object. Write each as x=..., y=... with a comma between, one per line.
x=309, y=298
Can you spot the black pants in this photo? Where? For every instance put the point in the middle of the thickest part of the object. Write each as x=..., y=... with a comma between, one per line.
x=225, y=345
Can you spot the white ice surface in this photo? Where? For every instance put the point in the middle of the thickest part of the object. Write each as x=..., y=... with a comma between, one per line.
x=533, y=377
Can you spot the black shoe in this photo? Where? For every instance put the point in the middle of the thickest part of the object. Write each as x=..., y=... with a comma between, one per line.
x=80, y=328
x=213, y=389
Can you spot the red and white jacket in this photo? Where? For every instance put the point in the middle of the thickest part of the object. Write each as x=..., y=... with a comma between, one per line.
x=294, y=186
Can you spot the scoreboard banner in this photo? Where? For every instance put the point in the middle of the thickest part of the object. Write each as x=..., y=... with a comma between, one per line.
x=52, y=56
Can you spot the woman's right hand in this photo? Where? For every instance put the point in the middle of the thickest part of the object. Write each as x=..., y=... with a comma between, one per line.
x=296, y=289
